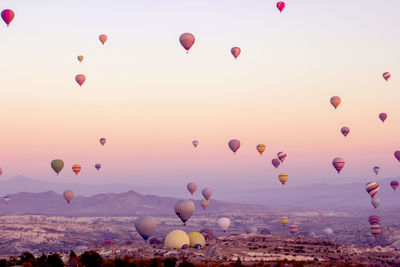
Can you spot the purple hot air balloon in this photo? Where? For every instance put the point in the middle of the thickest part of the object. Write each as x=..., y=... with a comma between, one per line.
x=382, y=117
x=394, y=184
x=275, y=162
x=338, y=164
x=97, y=166
x=376, y=169
x=234, y=145
x=345, y=131
x=397, y=155
x=195, y=143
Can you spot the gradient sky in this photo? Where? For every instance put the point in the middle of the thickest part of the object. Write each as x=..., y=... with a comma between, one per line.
x=150, y=99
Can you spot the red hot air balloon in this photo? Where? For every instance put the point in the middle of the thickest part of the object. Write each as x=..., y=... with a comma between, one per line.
x=234, y=145
x=76, y=168
x=374, y=220
x=80, y=79
x=397, y=155
x=235, y=51
x=7, y=15
x=394, y=184
x=386, y=76
x=335, y=101
x=282, y=156
x=345, y=131
x=280, y=5
x=103, y=38
x=275, y=162
x=372, y=188
x=191, y=187
x=375, y=230
x=383, y=117
x=187, y=40
x=338, y=164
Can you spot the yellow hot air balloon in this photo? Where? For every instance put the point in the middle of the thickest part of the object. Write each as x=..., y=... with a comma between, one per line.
x=261, y=148
x=283, y=177
x=177, y=239
x=197, y=240
x=284, y=220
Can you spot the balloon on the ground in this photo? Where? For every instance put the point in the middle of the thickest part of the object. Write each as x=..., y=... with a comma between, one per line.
x=196, y=240
x=224, y=223
x=328, y=231
x=57, y=165
x=145, y=226
x=261, y=148
x=177, y=239
x=284, y=220
x=338, y=164
x=191, y=187
x=187, y=41
x=68, y=195
x=184, y=209
x=250, y=229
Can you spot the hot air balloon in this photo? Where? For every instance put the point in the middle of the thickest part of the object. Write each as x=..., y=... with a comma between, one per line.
x=281, y=156
x=335, y=101
x=80, y=58
x=177, y=239
x=283, y=177
x=204, y=203
x=280, y=5
x=235, y=51
x=197, y=240
x=76, y=168
x=1, y=171
x=345, y=131
x=382, y=117
x=195, y=143
x=375, y=202
x=102, y=141
x=260, y=148
x=374, y=220
x=145, y=226
x=7, y=15
x=57, y=165
x=7, y=199
x=224, y=223
x=375, y=230
x=68, y=195
x=328, y=231
x=376, y=169
x=372, y=188
x=275, y=162
x=187, y=40
x=97, y=166
x=338, y=164
x=207, y=192
x=394, y=184
x=191, y=187
x=293, y=229
x=250, y=229
x=184, y=209
x=103, y=38
x=284, y=220
x=80, y=79
x=386, y=76
x=397, y=155
x=234, y=145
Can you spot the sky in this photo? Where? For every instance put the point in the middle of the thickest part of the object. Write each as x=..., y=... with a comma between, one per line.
x=150, y=99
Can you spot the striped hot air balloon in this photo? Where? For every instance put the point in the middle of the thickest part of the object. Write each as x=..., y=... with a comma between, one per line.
x=280, y=6
x=293, y=229
x=375, y=202
x=397, y=155
x=335, y=101
x=283, y=177
x=386, y=76
x=284, y=220
x=177, y=239
x=191, y=187
x=382, y=117
x=394, y=184
x=282, y=156
x=338, y=164
x=235, y=51
x=375, y=230
x=372, y=188
x=374, y=220
x=261, y=148
x=76, y=168
x=234, y=145
x=345, y=131
x=275, y=162
x=376, y=169
x=187, y=41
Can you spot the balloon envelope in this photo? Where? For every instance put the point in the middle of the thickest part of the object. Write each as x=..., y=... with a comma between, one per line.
x=7, y=15
x=345, y=131
x=275, y=162
x=328, y=231
x=397, y=155
x=7, y=199
x=197, y=240
x=386, y=76
x=177, y=239
x=145, y=226
x=1, y=171
x=376, y=169
x=374, y=219
x=261, y=148
x=394, y=184
x=280, y=5
x=234, y=145
x=187, y=40
x=235, y=52
x=195, y=143
x=191, y=187
x=375, y=202
x=207, y=193
x=76, y=168
x=184, y=209
x=97, y=166
x=102, y=141
x=372, y=188
x=103, y=38
x=282, y=156
x=375, y=230
x=335, y=101
x=283, y=177
x=382, y=117
x=80, y=79
x=338, y=164
x=284, y=220
x=57, y=165
x=224, y=223
x=204, y=203
x=80, y=58
x=68, y=195
x=293, y=229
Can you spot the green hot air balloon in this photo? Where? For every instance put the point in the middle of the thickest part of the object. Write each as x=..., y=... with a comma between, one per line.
x=57, y=165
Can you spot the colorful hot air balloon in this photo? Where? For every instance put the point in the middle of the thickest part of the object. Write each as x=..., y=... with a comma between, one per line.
x=197, y=240
x=335, y=101
x=68, y=195
x=235, y=51
x=97, y=166
x=102, y=141
x=184, y=209
x=187, y=40
x=394, y=184
x=224, y=223
x=7, y=15
x=7, y=199
x=338, y=164
x=103, y=38
x=177, y=239
x=293, y=229
x=76, y=168
x=283, y=177
x=375, y=202
x=57, y=165
x=372, y=188
x=260, y=148
x=281, y=156
x=80, y=58
x=397, y=155
x=284, y=220
x=191, y=187
x=382, y=117
x=280, y=5
x=204, y=203
x=206, y=192
x=376, y=169
x=195, y=143
x=234, y=145
x=80, y=79
x=145, y=226
x=386, y=76
x=345, y=131
x=374, y=220
x=375, y=230
x=275, y=162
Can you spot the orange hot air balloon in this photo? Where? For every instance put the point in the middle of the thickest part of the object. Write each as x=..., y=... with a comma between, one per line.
x=235, y=51
x=80, y=79
x=80, y=58
x=335, y=101
x=76, y=168
x=261, y=148
x=103, y=38
x=187, y=40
